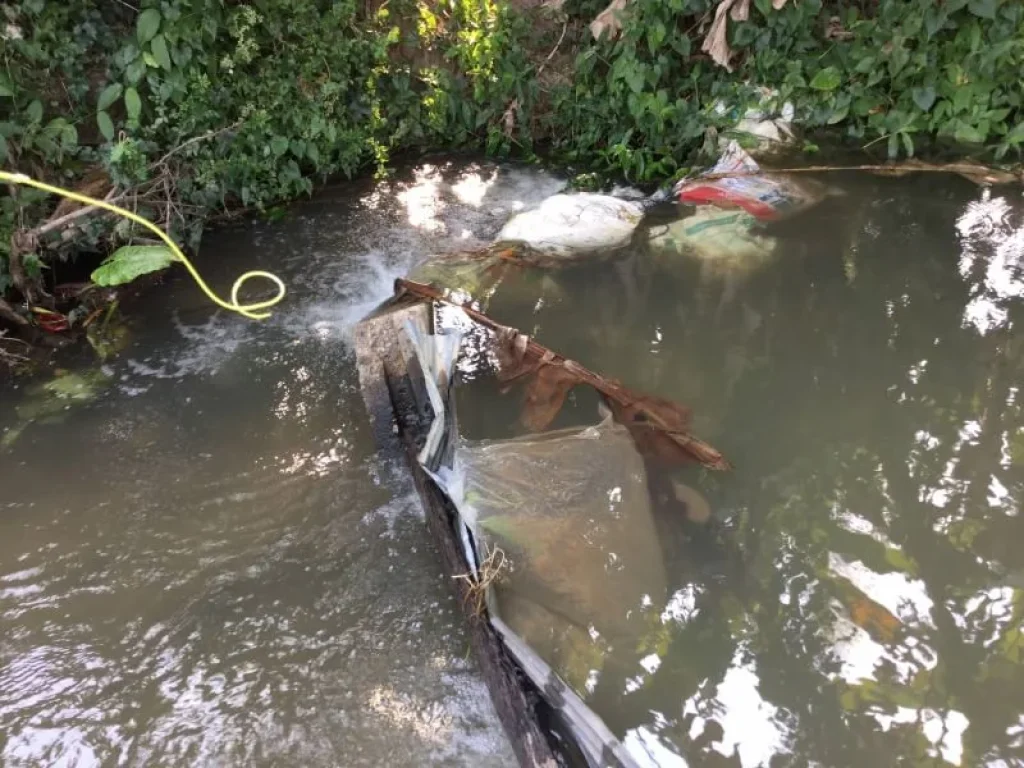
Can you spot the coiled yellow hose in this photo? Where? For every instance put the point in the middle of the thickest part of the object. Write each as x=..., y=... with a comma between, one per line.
x=247, y=310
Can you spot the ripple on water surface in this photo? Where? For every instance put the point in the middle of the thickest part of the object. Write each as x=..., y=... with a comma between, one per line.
x=208, y=565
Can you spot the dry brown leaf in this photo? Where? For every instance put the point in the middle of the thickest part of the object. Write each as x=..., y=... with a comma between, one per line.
x=715, y=43
x=609, y=20
x=869, y=615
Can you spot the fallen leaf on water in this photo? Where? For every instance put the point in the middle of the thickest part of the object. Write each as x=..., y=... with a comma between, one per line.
x=869, y=615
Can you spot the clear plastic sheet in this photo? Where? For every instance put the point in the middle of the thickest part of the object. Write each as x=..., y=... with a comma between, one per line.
x=569, y=511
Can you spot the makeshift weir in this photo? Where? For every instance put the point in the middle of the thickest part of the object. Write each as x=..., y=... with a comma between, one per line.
x=482, y=500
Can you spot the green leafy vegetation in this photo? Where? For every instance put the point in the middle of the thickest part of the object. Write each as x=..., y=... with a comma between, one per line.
x=131, y=261
x=184, y=108
x=904, y=74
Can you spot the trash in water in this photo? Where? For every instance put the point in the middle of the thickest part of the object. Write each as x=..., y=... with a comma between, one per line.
x=657, y=425
x=554, y=538
x=577, y=224
x=737, y=181
x=771, y=123
x=714, y=234
x=570, y=510
x=472, y=272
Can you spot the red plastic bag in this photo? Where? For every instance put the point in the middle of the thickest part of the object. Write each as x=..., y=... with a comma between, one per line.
x=762, y=195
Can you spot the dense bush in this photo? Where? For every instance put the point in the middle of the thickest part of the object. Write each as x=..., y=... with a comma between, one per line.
x=898, y=72
x=190, y=106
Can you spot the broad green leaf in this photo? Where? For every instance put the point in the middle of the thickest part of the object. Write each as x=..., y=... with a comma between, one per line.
x=894, y=145
x=35, y=111
x=838, y=115
x=1016, y=136
x=109, y=95
x=150, y=60
x=908, y=143
x=147, y=24
x=635, y=79
x=3, y=148
x=985, y=9
x=159, y=47
x=69, y=136
x=899, y=560
x=132, y=103
x=134, y=72
x=865, y=65
x=934, y=19
x=130, y=261
x=106, y=125
x=968, y=134
x=924, y=97
x=963, y=98
x=827, y=79
x=75, y=386
x=278, y=145
x=6, y=87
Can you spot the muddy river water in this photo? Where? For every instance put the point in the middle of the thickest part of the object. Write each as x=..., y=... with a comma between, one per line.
x=204, y=562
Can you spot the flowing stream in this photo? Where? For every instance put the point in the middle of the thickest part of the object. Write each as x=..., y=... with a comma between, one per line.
x=203, y=562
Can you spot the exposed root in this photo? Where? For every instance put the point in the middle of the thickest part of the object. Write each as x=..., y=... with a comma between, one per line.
x=490, y=569
x=7, y=356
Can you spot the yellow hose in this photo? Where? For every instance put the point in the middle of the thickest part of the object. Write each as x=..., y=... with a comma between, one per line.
x=247, y=310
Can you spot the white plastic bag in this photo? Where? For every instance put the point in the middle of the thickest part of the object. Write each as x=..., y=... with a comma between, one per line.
x=569, y=225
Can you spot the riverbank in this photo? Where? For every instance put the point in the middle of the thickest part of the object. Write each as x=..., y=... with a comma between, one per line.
x=186, y=109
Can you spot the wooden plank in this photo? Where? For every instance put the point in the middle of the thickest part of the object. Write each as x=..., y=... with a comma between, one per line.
x=395, y=396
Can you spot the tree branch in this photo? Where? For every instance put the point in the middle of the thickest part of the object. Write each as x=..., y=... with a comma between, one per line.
x=196, y=140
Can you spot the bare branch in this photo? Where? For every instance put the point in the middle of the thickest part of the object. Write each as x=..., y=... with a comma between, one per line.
x=196, y=140
x=63, y=221
x=7, y=313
